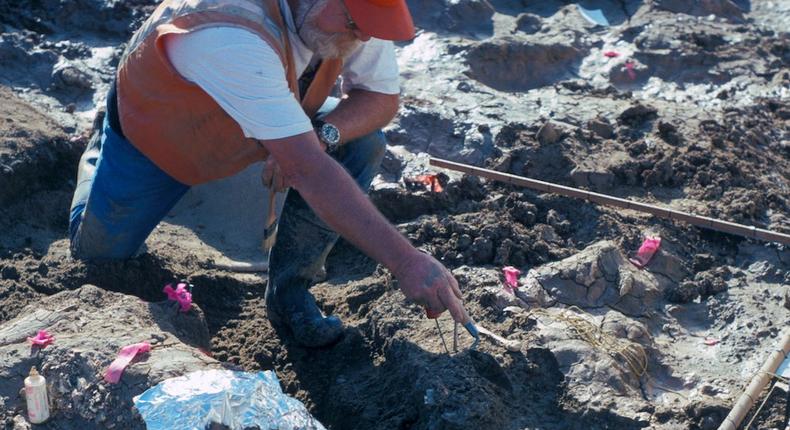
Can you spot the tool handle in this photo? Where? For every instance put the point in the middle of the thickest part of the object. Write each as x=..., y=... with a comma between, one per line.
x=471, y=327
x=270, y=228
x=272, y=215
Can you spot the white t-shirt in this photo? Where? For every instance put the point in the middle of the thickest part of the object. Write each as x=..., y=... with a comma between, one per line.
x=244, y=75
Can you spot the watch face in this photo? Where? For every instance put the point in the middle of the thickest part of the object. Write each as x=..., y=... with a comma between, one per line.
x=330, y=134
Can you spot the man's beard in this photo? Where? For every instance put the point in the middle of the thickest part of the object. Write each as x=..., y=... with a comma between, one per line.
x=323, y=44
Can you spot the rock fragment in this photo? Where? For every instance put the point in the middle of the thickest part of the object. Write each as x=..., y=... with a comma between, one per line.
x=549, y=133
x=601, y=127
x=637, y=114
x=596, y=177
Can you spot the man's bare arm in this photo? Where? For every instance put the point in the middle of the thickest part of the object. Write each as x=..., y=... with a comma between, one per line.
x=379, y=109
x=336, y=199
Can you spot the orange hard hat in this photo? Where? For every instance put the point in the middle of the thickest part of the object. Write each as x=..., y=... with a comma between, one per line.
x=382, y=19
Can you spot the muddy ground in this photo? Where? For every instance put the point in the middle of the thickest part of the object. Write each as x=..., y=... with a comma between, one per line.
x=692, y=113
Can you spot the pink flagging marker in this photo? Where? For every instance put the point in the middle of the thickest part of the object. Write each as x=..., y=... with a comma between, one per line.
x=432, y=182
x=42, y=339
x=511, y=278
x=127, y=354
x=646, y=251
x=181, y=295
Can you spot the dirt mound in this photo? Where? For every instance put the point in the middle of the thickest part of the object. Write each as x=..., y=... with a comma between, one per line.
x=90, y=326
x=34, y=149
x=465, y=17
x=513, y=66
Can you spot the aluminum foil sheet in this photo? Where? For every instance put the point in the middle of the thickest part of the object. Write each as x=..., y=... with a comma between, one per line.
x=239, y=400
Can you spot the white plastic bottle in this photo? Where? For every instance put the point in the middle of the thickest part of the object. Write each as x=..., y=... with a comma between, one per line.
x=36, y=396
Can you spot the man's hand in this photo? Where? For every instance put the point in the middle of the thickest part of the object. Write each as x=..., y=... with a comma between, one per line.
x=272, y=177
x=427, y=282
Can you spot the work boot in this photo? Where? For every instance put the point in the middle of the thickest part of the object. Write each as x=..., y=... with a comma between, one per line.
x=296, y=259
x=299, y=255
x=295, y=309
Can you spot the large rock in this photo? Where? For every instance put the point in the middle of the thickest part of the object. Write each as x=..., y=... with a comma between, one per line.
x=90, y=326
x=513, y=65
x=597, y=177
x=602, y=372
x=549, y=133
x=600, y=275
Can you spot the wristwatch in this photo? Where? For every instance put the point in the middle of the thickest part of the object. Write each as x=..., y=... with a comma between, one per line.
x=328, y=133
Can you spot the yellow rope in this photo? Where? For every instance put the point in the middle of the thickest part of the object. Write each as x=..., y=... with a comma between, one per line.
x=633, y=355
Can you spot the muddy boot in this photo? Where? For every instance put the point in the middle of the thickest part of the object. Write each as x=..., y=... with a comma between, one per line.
x=301, y=240
x=303, y=244
x=295, y=310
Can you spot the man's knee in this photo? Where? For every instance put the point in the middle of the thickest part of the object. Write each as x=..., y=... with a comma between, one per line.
x=374, y=146
x=91, y=251
x=91, y=240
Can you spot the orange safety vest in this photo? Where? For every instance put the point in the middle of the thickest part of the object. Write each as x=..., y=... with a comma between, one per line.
x=176, y=124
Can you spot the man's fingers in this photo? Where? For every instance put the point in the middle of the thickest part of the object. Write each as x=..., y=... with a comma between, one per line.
x=455, y=306
x=436, y=307
x=435, y=301
x=456, y=288
x=430, y=313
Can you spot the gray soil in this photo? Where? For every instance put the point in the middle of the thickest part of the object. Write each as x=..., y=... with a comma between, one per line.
x=693, y=114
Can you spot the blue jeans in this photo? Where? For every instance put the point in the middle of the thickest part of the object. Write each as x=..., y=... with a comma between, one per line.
x=116, y=207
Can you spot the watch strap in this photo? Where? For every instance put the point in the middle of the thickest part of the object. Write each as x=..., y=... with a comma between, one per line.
x=318, y=124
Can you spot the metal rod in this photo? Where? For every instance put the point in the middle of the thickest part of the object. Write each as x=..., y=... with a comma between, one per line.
x=455, y=336
x=760, y=408
x=441, y=336
x=759, y=381
x=699, y=221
